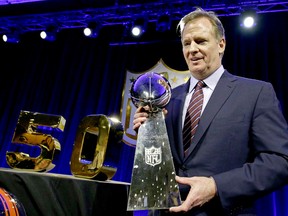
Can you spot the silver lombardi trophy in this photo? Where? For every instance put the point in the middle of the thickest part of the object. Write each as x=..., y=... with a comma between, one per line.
x=153, y=184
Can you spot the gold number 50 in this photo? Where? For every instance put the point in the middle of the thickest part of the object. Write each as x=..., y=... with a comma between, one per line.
x=95, y=151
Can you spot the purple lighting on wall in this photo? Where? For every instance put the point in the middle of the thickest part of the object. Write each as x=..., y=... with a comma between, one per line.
x=8, y=2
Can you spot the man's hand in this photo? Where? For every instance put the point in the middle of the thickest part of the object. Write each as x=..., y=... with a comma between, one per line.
x=202, y=190
x=141, y=116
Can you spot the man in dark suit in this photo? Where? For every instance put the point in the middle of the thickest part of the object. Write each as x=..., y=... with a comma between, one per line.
x=240, y=149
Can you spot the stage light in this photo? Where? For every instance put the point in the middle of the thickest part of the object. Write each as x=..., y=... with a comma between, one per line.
x=139, y=27
x=50, y=34
x=11, y=38
x=163, y=23
x=92, y=30
x=248, y=18
x=248, y=22
x=137, y=31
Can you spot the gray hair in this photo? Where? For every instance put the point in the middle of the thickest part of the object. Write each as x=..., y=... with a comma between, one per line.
x=199, y=13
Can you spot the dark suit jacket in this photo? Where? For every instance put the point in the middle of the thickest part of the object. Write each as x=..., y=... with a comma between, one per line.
x=241, y=140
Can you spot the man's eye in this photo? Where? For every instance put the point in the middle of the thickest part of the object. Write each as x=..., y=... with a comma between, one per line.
x=186, y=43
x=201, y=41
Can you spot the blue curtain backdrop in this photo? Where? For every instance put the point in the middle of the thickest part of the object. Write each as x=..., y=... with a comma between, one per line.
x=76, y=76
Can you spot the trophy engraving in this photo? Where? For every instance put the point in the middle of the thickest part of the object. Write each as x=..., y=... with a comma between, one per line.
x=153, y=185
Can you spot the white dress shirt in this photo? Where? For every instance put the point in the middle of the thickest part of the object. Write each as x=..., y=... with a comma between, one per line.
x=210, y=82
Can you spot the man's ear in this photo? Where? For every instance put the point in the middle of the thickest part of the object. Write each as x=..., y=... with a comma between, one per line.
x=222, y=46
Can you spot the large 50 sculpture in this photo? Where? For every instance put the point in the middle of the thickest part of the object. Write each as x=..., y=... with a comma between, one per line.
x=96, y=149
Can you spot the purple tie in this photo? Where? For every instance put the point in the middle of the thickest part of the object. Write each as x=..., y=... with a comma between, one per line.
x=192, y=116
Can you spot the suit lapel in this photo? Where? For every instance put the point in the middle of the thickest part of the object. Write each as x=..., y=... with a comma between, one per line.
x=177, y=112
x=221, y=93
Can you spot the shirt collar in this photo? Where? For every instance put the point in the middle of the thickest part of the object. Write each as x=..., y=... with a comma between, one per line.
x=211, y=81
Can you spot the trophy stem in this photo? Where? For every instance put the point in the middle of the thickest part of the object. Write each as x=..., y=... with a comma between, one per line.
x=153, y=184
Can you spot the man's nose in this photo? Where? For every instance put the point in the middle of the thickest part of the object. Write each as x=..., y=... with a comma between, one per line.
x=193, y=47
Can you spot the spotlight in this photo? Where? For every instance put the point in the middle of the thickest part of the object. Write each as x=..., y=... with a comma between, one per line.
x=137, y=31
x=92, y=30
x=163, y=23
x=11, y=38
x=139, y=27
x=50, y=34
x=248, y=22
x=248, y=18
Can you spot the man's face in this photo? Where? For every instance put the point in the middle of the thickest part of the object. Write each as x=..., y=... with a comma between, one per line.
x=201, y=48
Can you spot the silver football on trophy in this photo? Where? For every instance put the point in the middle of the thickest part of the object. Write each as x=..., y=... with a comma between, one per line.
x=150, y=89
